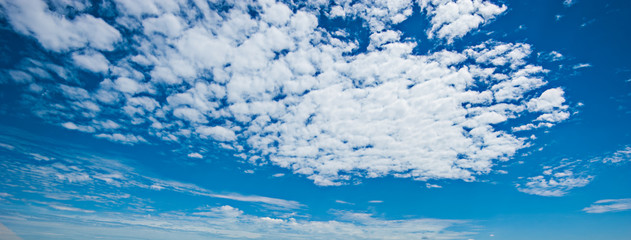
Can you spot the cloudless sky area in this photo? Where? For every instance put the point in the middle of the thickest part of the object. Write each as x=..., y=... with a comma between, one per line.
x=320, y=119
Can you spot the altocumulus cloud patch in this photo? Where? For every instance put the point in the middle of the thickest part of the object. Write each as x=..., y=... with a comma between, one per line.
x=271, y=81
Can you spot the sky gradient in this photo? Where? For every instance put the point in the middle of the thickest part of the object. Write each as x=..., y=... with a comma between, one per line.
x=392, y=119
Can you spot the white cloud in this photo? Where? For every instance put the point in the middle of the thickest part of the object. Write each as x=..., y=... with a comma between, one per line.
x=195, y=155
x=226, y=222
x=7, y=146
x=278, y=175
x=609, y=205
x=283, y=90
x=550, y=102
x=581, y=65
x=259, y=199
x=126, y=139
x=621, y=155
x=92, y=61
x=40, y=157
x=20, y=76
x=343, y=202
x=73, y=209
x=95, y=175
x=57, y=33
x=429, y=185
x=454, y=19
x=218, y=133
x=73, y=126
x=127, y=85
x=555, y=184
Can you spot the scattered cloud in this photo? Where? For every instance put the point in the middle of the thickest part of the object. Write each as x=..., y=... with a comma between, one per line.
x=279, y=87
x=622, y=155
x=609, y=205
x=375, y=201
x=74, y=169
x=556, y=181
x=195, y=155
x=429, y=185
x=227, y=222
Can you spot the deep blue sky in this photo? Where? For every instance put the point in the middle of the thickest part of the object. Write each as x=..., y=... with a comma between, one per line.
x=429, y=119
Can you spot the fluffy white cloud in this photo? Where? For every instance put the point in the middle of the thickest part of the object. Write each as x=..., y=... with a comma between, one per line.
x=454, y=19
x=279, y=88
x=58, y=33
x=92, y=61
x=609, y=205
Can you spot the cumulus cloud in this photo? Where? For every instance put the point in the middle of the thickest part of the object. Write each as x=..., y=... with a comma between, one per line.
x=609, y=205
x=92, y=61
x=280, y=88
x=56, y=32
x=454, y=19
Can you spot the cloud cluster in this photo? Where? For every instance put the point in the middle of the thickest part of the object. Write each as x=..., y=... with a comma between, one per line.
x=556, y=181
x=620, y=156
x=453, y=19
x=268, y=80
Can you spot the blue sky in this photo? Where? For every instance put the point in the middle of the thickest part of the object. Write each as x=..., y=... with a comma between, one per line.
x=393, y=119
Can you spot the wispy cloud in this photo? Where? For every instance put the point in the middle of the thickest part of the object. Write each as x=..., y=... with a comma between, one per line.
x=97, y=175
x=609, y=205
x=581, y=65
x=228, y=222
x=73, y=209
